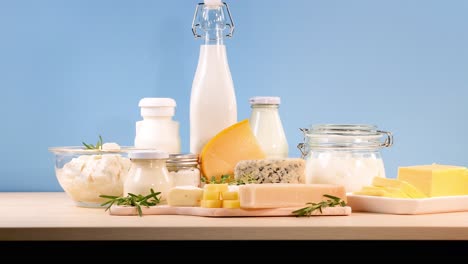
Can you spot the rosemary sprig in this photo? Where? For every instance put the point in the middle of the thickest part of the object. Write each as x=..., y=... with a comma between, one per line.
x=133, y=200
x=224, y=179
x=333, y=201
x=246, y=179
x=97, y=146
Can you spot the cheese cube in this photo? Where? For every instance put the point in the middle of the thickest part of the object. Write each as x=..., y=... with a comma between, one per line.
x=274, y=195
x=210, y=195
x=184, y=196
x=231, y=204
x=230, y=195
x=211, y=203
x=436, y=180
x=223, y=187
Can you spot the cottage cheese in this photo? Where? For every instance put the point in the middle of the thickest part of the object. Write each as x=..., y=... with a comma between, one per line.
x=88, y=176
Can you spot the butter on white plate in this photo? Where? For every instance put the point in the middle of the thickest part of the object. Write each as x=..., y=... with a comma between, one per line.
x=407, y=206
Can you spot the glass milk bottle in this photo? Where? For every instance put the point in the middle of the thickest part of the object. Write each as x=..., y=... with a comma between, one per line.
x=267, y=127
x=213, y=101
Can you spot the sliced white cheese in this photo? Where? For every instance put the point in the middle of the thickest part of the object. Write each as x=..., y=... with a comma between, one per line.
x=185, y=196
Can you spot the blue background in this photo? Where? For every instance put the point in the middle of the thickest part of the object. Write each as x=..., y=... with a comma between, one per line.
x=70, y=70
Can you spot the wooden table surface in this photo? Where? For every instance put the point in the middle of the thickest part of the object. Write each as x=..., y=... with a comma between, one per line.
x=53, y=216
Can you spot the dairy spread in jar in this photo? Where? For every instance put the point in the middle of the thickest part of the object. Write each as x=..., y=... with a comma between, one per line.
x=347, y=155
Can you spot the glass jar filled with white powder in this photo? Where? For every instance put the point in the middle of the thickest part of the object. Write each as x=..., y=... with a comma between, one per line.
x=183, y=170
x=347, y=155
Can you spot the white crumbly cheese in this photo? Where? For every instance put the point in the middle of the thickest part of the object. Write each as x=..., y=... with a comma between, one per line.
x=110, y=147
x=271, y=170
x=88, y=176
x=185, y=196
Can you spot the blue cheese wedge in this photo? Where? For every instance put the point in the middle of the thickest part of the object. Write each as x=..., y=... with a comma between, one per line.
x=271, y=171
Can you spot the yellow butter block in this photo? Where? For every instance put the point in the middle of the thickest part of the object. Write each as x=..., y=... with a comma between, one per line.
x=223, y=187
x=210, y=195
x=404, y=186
x=230, y=195
x=436, y=180
x=231, y=204
x=211, y=203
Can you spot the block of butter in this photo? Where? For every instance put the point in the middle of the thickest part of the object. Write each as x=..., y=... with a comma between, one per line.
x=436, y=180
x=277, y=195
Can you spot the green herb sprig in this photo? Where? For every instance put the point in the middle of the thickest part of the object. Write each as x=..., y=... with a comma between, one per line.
x=133, y=200
x=97, y=146
x=224, y=179
x=246, y=179
x=333, y=201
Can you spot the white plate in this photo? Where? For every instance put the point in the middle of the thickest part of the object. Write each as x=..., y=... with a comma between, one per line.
x=387, y=205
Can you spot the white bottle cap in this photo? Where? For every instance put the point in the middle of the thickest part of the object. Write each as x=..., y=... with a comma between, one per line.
x=265, y=100
x=157, y=106
x=148, y=154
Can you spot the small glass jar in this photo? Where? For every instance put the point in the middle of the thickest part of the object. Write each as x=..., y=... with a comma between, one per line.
x=347, y=155
x=183, y=170
x=148, y=171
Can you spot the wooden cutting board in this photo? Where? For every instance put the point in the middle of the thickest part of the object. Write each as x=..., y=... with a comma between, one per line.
x=222, y=212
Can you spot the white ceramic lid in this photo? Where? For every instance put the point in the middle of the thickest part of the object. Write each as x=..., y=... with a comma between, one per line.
x=157, y=102
x=148, y=154
x=157, y=106
x=265, y=100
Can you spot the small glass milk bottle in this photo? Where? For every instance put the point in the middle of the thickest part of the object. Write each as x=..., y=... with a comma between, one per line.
x=148, y=171
x=267, y=127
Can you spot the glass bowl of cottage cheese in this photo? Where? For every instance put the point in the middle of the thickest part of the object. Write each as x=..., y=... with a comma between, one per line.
x=85, y=174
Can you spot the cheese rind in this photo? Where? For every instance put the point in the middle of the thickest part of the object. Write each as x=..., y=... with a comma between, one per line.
x=275, y=195
x=221, y=154
x=271, y=170
x=184, y=196
x=436, y=180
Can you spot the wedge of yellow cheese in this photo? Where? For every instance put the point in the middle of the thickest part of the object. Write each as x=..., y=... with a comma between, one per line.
x=436, y=180
x=221, y=154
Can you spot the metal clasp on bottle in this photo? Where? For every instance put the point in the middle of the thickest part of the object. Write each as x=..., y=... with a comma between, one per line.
x=196, y=25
